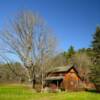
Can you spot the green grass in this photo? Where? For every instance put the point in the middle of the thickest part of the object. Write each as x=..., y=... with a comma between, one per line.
x=19, y=92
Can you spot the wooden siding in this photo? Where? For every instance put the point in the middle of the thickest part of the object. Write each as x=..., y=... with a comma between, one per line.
x=71, y=80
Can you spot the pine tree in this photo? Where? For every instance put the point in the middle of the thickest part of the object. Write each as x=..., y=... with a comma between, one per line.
x=70, y=55
x=95, y=71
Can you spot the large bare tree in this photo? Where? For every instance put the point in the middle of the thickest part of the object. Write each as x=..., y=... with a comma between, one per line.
x=29, y=37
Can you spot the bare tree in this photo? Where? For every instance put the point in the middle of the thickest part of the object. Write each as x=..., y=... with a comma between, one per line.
x=83, y=61
x=29, y=37
x=15, y=67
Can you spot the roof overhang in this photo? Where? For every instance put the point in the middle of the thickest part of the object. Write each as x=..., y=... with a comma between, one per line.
x=54, y=78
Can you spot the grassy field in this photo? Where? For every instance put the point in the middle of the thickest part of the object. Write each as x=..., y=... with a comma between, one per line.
x=18, y=92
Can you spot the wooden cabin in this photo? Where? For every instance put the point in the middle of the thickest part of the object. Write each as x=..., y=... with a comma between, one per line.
x=64, y=78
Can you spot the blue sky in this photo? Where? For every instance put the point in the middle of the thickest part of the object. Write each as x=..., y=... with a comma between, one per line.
x=73, y=21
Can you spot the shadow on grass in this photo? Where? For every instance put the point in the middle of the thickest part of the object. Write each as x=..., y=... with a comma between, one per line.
x=92, y=90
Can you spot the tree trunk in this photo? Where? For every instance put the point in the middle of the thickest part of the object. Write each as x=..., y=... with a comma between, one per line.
x=42, y=81
x=33, y=83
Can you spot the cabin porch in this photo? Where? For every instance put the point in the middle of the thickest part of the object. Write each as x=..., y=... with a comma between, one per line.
x=54, y=83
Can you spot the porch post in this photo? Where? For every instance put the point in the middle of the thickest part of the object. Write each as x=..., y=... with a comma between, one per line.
x=57, y=84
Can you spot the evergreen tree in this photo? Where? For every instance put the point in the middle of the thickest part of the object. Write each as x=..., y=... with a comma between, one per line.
x=70, y=54
x=95, y=71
